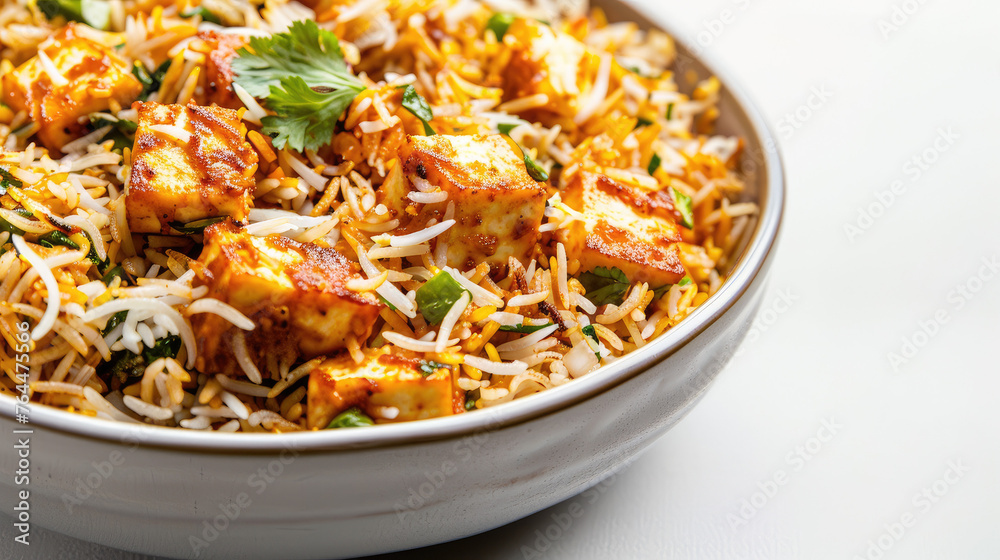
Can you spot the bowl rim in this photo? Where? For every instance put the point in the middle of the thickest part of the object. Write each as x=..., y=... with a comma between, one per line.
x=756, y=253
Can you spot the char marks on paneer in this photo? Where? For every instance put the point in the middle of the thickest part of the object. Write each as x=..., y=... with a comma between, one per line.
x=496, y=205
x=295, y=293
x=71, y=76
x=388, y=384
x=623, y=227
x=189, y=163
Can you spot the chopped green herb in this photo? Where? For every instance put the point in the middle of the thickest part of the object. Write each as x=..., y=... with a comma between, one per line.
x=670, y=111
x=524, y=329
x=57, y=239
x=7, y=181
x=590, y=331
x=166, y=347
x=150, y=82
x=658, y=292
x=437, y=296
x=125, y=364
x=197, y=226
x=654, y=163
x=684, y=207
x=470, y=400
x=506, y=128
x=95, y=13
x=111, y=274
x=7, y=226
x=304, y=79
x=386, y=302
x=537, y=172
x=605, y=285
x=122, y=132
x=416, y=104
x=500, y=22
x=113, y=322
x=428, y=367
x=684, y=281
x=642, y=121
x=102, y=266
x=350, y=418
x=203, y=12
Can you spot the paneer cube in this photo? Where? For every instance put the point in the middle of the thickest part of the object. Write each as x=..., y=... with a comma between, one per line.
x=220, y=49
x=388, y=386
x=545, y=61
x=69, y=78
x=295, y=293
x=498, y=207
x=189, y=163
x=623, y=227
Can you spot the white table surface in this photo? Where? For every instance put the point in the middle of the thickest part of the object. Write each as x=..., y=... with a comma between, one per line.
x=910, y=457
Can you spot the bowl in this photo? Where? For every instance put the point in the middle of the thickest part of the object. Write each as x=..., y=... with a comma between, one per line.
x=343, y=493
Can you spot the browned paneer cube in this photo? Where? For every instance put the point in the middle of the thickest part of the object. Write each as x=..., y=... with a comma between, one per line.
x=69, y=78
x=220, y=49
x=387, y=386
x=623, y=227
x=189, y=163
x=498, y=207
x=295, y=293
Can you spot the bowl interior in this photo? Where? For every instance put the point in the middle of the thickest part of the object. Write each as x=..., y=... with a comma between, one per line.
x=761, y=166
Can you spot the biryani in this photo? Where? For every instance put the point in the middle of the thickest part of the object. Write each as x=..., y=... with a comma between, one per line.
x=320, y=214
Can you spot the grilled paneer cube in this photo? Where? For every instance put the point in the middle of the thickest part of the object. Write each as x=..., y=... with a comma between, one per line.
x=498, y=207
x=622, y=227
x=221, y=49
x=387, y=386
x=189, y=163
x=295, y=293
x=69, y=78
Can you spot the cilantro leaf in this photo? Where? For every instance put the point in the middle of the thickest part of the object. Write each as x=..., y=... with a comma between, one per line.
x=306, y=118
x=350, y=418
x=304, y=79
x=416, y=104
x=684, y=207
x=590, y=331
x=436, y=297
x=95, y=13
x=605, y=285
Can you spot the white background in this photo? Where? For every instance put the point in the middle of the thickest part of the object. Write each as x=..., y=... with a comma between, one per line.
x=825, y=357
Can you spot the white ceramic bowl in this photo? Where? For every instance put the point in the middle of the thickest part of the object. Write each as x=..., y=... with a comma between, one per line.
x=342, y=493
